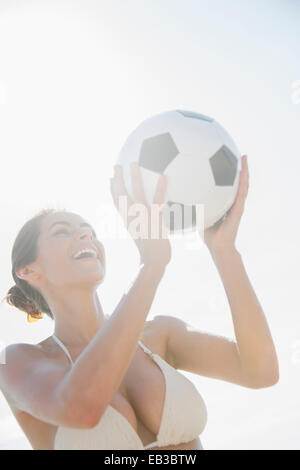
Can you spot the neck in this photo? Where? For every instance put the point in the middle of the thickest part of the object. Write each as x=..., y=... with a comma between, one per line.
x=78, y=317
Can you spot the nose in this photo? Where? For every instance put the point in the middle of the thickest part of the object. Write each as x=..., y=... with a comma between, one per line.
x=84, y=233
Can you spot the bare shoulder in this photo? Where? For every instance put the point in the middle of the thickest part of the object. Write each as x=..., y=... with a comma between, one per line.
x=14, y=360
x=16, y=352
x=179, y=332
x=168, y=322
x=18, y=359
x=15, y=356
x=157, y=327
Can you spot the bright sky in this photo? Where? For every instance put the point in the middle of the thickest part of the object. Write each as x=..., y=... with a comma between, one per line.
x=76, y=78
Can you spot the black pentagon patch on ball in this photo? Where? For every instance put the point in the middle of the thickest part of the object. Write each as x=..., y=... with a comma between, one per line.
x=178, y=216
x=224, y=166
x=191, y=114
x=157, y=152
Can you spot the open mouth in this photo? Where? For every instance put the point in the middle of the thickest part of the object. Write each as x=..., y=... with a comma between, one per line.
x=86, y=254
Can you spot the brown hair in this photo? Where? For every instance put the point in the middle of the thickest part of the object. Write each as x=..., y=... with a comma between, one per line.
x=22, y=295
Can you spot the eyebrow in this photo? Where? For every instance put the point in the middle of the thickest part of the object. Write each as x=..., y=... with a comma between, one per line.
x=63, y=222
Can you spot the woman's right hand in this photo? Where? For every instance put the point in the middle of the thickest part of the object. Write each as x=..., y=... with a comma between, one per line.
x=154, y=250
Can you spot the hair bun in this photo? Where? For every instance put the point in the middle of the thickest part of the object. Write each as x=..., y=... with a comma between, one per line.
x=16, y=298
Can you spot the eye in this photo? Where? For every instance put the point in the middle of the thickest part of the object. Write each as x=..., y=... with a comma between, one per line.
x=61, y=231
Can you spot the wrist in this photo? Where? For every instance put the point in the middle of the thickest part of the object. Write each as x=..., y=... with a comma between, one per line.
x=154, y=268
x=224, y=252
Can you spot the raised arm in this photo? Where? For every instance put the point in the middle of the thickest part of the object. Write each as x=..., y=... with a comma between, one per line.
x=251, y=359
x=99, y=370
x=255, y=346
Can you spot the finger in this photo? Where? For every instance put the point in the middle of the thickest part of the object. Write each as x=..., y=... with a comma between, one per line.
x=160, y=192
x=244, y=179
x=118, y=185
x=236, y=211
x=137, y=184
x=113, y=191
x=243, y=186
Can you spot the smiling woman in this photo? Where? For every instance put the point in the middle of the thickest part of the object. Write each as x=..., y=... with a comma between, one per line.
x=25, y=251
x=94, y=384
x=90, y=372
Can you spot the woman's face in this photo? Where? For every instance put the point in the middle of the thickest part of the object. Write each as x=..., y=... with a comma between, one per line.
x=63, y=235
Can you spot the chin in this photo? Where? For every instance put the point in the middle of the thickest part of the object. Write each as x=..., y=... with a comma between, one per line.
x=90, y=279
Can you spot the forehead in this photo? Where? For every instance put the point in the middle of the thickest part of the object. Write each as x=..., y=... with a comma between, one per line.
x=70, y=217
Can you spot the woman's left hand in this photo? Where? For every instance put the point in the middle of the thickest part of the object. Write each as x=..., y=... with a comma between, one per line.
x=223, y=235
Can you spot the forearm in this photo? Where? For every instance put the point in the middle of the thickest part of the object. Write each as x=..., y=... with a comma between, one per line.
x=255, y=346
x=99, y=370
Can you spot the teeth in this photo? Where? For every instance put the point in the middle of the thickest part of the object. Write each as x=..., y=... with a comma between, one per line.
x=86, y=250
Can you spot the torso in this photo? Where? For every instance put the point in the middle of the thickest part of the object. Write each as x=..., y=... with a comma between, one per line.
x=134, y=399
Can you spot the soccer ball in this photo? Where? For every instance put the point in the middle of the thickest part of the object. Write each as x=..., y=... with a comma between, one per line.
x=199, y=157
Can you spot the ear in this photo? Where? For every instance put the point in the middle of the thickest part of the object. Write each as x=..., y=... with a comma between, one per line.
x=27, y=273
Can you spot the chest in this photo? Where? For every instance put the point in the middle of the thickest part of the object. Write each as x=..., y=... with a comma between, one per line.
x=141, y=396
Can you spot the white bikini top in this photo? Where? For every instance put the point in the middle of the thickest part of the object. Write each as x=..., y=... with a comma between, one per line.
x=183, y=419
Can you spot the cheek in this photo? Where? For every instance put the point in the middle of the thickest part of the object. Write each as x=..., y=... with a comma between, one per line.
x=101, y=250
x=56, y=262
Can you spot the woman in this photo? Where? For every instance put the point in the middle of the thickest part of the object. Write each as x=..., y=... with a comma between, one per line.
x=113, y=382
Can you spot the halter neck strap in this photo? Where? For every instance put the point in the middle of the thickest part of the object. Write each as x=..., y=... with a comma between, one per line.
x=63, y=347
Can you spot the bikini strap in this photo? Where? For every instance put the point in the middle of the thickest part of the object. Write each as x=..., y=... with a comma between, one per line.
x=146, y=349
x=63, y=347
